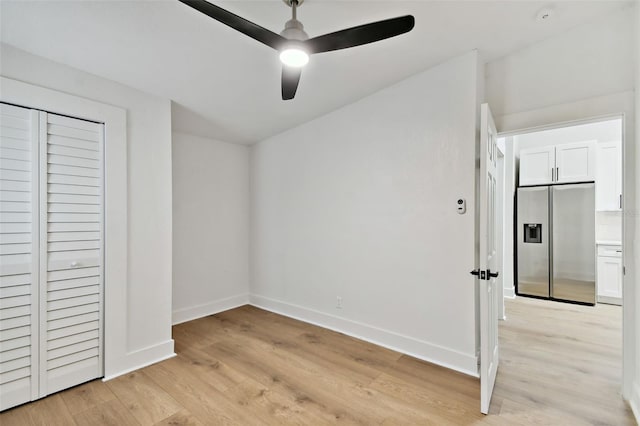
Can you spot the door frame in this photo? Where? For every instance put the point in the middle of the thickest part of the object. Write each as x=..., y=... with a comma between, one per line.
x=500, y=216
x=629, y=310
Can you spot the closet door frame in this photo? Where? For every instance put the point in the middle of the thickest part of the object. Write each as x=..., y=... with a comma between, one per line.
x=115, y=201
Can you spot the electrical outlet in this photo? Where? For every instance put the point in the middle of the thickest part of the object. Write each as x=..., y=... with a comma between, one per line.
x=339, y=302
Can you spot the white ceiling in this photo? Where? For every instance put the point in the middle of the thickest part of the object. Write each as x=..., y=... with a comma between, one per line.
x=227, y=86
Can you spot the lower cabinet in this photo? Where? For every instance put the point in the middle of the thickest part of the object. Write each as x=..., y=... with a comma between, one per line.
x=610, y=274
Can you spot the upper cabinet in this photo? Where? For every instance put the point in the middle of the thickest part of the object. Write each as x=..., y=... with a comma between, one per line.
x=609, y=176
x=537, y=165
x=576, y=162
x=572, y=162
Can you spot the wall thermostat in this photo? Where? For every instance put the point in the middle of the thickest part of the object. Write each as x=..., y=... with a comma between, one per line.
x=461, y=206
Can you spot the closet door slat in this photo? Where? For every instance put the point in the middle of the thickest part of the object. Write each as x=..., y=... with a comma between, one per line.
x=19, y=272
x=55, y=140
x=71, y=252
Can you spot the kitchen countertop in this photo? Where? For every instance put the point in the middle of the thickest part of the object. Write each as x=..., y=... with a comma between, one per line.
x=608, y=243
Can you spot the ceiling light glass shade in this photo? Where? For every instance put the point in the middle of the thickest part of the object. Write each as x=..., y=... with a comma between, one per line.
x=294, y=57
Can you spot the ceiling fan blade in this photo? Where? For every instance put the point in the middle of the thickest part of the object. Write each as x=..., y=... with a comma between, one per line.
x=238, y=23
x=362, y=34
x=290, y=80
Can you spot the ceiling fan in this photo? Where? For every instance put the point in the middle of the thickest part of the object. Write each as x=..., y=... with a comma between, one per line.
x=294, y=44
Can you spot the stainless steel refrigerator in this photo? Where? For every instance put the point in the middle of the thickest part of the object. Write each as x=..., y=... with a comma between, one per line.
x=556, y=242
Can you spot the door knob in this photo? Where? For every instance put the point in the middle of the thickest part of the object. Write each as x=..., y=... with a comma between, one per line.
x=74, y=264
x=492, y=274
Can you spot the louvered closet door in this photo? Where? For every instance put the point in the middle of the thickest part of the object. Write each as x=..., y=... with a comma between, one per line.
x=71, y=252
x=18, y=255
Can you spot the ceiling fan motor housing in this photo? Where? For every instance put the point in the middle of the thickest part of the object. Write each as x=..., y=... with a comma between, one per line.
x=294, y=30
x=290, y=2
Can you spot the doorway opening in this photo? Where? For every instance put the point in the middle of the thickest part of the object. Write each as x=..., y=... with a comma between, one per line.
x=562, y=275
x=543, y=166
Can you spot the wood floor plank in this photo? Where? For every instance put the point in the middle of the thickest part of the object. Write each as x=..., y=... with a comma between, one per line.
x=146, y=401
x=50, y=411
x=181, y=418
x=272, y=406
x=441, y=406
x=197, y=333
x=86, y=396
x=211, y=369
x=325, y=398
x=110, y=413
x=199, y=397
x=18, y=416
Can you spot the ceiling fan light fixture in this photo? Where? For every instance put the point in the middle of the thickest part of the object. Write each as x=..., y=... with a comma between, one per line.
x=293, y=43
x=294, y=57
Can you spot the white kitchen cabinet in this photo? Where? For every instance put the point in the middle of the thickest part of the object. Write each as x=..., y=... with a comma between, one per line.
x=537, y=166
x=609, y=277
x=609, y=176
x=576, y=162
x=565, y=163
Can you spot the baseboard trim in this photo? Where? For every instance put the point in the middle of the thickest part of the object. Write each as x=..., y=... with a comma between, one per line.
x=610, y=300
x=210, y=308
x=634, y=401
x=420, y=349
x=143, y=358
x=509, y=293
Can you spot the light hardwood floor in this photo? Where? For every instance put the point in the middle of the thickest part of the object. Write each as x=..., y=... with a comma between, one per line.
x=560, y=364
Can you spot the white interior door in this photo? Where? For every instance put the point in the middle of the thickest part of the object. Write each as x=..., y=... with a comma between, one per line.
x=71, y=254
x=51, y=253
x=488, y=259
x=18, y=255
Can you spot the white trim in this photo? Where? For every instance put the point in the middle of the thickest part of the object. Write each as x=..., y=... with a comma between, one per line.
x=634, y=401
x=210, y=308
x=610, y=300
x=510, y=293
x=590, y=110
x=146, y=357
x=436, y=354
x=115, y=197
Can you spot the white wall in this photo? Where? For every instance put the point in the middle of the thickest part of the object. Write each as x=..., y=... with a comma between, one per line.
x=210, y=226
x=360, y=204
x=590, y=60
x=148, y=308
x=585, y=73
